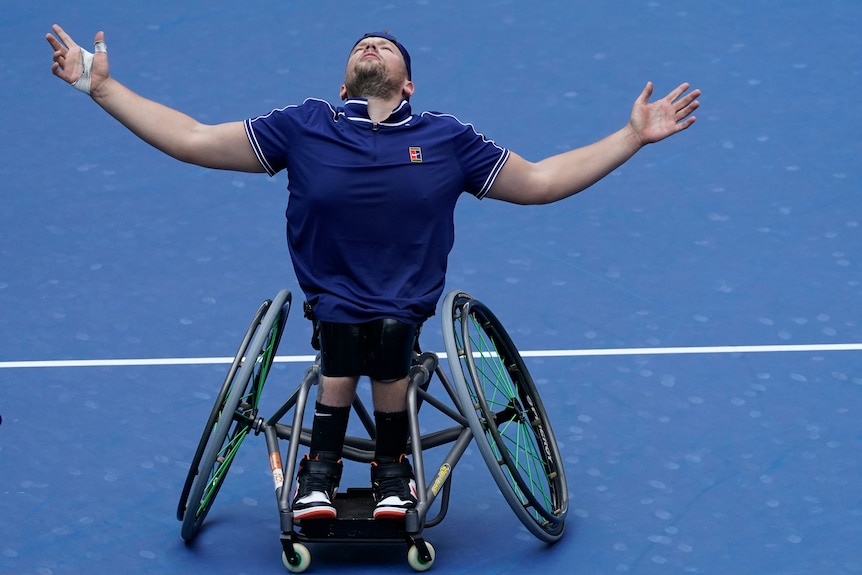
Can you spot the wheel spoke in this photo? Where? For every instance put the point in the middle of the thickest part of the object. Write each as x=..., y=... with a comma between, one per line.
x=219, y=471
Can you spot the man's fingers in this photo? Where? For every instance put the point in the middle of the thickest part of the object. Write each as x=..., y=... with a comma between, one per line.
x=683, y=103
x=684, y=125
x=53, y=42
x=65, y=38
x=688, y=104
x=646, y=93
x=676, y=93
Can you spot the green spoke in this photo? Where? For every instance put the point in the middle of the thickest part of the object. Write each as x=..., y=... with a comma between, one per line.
x=248, y=405
x=218, y=472
x=500, y=393
x=531, y=463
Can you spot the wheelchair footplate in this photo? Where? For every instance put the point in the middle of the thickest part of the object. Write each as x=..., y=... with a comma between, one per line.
x=354, y=522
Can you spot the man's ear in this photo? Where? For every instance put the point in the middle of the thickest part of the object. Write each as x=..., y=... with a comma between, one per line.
x=342, y=92
x=408, y=90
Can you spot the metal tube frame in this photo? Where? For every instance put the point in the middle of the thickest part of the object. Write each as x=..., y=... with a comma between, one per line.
x=359, y=449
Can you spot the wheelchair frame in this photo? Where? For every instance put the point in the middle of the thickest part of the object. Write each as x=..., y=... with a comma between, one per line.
x=495, y=402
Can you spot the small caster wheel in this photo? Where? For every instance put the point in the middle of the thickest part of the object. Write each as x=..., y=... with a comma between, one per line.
x=416, y=561
x=304, y=559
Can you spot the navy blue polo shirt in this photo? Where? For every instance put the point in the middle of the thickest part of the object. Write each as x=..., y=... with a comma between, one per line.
x=371, y=205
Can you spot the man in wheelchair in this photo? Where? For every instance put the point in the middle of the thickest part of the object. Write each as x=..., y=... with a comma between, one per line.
x=372, y=191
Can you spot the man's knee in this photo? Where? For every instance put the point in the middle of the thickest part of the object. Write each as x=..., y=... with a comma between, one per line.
x=337, y=391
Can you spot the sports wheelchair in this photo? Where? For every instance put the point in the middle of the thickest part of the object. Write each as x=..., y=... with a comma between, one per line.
x=491, y=398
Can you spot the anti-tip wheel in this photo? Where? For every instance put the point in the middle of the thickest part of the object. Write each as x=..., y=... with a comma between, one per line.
x=304, y=556
x=415, y=560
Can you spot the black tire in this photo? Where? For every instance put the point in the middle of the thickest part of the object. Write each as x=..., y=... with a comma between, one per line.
x=233, y=414
x=508, y=419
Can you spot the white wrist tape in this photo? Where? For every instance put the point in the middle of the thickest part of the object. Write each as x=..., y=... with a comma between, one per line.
x=83, y=81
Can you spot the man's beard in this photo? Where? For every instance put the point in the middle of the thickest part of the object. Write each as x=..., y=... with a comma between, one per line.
x=371, y=82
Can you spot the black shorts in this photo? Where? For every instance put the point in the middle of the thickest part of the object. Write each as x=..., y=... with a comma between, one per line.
x=381, y=349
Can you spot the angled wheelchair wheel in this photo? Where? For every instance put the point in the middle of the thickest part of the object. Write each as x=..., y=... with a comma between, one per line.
x=508, y=419
x=218, y=407
x=233, y=414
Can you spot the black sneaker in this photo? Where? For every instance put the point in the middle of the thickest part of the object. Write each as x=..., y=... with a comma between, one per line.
x=316, y=485
x=394, y=488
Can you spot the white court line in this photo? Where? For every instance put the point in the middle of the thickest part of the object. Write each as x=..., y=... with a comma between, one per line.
x=538, y=353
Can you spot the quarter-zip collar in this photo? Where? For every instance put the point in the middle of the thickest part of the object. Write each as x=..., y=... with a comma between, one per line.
x=356, y=110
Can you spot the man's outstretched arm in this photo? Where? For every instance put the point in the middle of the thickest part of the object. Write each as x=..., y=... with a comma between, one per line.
x=563, y=175
x=222, y=146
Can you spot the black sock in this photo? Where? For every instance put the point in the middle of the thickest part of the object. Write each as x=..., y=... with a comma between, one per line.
x=392, y=432
x=327, y=431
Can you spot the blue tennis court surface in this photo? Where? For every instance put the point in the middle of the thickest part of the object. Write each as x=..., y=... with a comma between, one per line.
x=694, y=321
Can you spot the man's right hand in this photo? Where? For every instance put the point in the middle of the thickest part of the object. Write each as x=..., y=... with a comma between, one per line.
x=69, y=59
x=222, y=146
